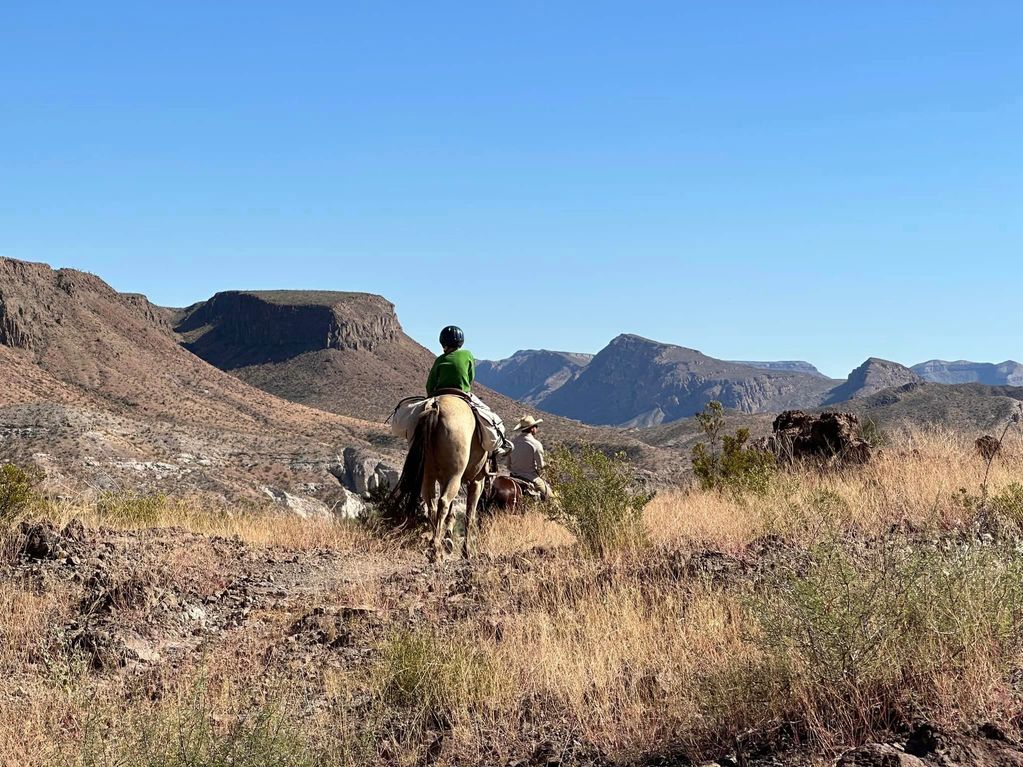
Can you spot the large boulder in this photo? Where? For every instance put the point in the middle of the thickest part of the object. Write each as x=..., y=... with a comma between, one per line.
x=828, y=436
x=362, y=472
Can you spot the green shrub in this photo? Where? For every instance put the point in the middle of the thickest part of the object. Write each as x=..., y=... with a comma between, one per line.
x=17, y=491
x=131, y=509
x=597, y=499
x=726, y=462
x=863, y=638
x=1009, y=503
x=432, y=677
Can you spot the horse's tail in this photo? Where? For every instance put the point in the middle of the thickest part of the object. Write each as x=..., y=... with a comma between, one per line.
x=403, y=503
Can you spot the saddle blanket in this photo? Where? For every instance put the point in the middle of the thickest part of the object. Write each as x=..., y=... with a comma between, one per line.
x=406, y=416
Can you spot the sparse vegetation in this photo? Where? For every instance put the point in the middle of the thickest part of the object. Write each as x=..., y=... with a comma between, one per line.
x=831, y=610
x=17, y=491
x=726, y=462
x=598, y=500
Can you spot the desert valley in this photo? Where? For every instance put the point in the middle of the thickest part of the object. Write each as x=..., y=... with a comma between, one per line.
x=194, y=571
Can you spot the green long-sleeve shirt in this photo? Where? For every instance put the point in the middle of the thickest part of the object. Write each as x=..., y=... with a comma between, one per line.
x=455, y=370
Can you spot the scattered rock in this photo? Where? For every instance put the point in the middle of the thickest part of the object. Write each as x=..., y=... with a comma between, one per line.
x=878, y=755
x=306, y=508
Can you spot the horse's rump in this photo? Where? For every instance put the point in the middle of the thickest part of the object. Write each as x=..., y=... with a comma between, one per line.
x=505, y=493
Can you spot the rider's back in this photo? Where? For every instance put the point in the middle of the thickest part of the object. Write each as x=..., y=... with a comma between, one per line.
x=452, y=370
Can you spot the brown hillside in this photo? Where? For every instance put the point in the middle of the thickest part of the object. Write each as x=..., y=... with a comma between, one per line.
x=96, y=387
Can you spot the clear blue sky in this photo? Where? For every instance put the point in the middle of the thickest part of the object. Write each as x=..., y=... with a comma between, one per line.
x=815, y=180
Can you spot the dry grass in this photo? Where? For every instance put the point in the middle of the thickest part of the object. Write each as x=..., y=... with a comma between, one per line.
x=918, y=481
x=257, y=527
x=859, y=624
x=504, y=534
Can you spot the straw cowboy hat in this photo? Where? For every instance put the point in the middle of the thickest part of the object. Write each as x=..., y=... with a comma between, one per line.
x=527, y=422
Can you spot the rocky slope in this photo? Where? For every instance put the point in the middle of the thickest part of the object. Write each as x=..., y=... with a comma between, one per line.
x=1007, y=373
x=871, y=377
x=530, y=375
x=638, y=382
x=95, y=388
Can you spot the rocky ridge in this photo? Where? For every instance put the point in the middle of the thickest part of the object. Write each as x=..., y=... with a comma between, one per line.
x=530, y=375
x=872, y=376
x=1008, y=373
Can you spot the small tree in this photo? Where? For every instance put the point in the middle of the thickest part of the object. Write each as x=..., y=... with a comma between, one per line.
x=726, y=462
x=598, y=500
x=17, y=490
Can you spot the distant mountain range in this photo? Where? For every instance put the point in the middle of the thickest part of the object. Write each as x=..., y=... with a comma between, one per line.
x=282, y=394
x=635, y=381
x=1006, y=373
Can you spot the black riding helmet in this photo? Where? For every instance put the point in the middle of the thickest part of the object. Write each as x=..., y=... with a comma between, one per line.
x=452, y=337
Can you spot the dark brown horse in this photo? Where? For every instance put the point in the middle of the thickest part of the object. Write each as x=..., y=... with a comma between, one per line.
x=504, y=494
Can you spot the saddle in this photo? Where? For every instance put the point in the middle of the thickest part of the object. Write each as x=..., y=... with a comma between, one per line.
x=406, y=414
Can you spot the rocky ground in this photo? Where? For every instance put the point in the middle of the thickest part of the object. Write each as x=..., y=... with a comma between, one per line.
x=143, y=605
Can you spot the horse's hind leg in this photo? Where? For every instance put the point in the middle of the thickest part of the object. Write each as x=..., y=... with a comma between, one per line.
x=445, y=514
x=432, y=511
x=470, y=545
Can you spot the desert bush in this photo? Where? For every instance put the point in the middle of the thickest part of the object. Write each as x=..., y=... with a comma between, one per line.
x=432, y=677
x=597, y=499
x=726, y=462
x=131, y=509
x=17, y=491
x=862, y=639
x=1009, y=503
x=193, y=733
x=871, y=431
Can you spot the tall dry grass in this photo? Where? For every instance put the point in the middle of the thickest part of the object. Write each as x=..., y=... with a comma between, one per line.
x=881, y=603
x=922, y=479
x=256, y=526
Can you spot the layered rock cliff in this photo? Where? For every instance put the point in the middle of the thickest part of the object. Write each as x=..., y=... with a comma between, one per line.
x=236, y=328
x=1008, y=373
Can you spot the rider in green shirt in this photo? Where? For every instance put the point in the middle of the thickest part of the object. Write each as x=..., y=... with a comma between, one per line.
x=455, y=368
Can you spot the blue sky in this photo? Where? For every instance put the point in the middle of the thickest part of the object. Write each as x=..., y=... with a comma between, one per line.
x=821, y=181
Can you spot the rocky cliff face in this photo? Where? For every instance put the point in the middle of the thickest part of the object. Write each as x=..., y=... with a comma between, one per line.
x=1008, y=373
x=871, y=377
x=237, y=328
x=638, y=382
x=532, y=374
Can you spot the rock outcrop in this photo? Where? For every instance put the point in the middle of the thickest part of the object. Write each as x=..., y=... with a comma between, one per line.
x=828, y=436
x=237, y=328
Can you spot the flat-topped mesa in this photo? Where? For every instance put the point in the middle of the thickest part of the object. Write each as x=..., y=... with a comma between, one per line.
x=279, y=324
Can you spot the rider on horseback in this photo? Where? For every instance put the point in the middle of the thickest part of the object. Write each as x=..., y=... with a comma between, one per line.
x=528, y=461
x=456, y=369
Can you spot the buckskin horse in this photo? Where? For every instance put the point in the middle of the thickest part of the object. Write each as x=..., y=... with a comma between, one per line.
x=445, y=450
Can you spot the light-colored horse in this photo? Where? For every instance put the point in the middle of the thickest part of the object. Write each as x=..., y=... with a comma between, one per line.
x=445, y=453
